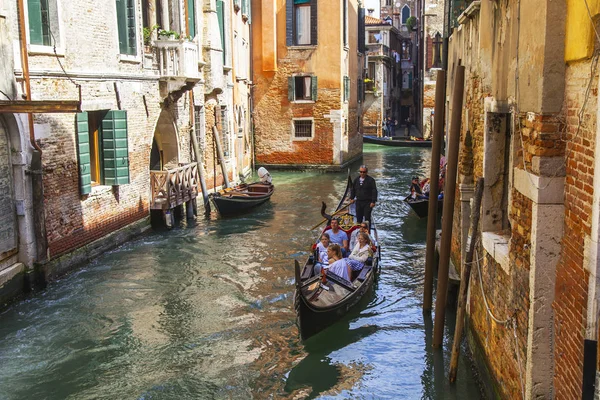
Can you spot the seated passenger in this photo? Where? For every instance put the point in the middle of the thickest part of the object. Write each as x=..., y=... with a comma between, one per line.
x=415, y=185
x=322, y=260
x=337, y=264
x=364, y=227
x=360, y=253
x=338, y=236
x=426, y=187
x=416, y=196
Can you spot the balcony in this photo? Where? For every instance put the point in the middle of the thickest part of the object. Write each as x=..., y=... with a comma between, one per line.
x=174, y=187
x=378, y=50
x=177, y=64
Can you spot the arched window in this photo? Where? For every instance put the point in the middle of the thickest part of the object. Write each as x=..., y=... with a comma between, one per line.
x=405, y=13
x=437, y=51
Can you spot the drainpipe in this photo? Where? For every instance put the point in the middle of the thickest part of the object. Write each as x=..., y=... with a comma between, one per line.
x=36, y=159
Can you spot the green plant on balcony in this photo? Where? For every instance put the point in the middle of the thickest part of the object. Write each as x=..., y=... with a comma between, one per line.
x=147, y=33
x=411, y=23
x=168, y=35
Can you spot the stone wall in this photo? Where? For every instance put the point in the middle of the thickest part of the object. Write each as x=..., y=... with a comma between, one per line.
x=571, y=301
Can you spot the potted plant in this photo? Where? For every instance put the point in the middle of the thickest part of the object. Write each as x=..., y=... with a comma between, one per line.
x=411, y=23
x=168, y=35
x=147, y=32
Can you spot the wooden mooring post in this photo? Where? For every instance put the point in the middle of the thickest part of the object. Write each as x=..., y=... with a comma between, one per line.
x=448, y=211
x=438, y=137
x=464, y=280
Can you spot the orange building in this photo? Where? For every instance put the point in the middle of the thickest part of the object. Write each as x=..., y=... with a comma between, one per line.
x=306, y=83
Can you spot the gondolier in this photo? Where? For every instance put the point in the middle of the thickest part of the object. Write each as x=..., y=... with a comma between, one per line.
x=364, y=193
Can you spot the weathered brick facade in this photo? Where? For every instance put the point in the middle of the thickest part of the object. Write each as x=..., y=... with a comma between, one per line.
x=334, y=138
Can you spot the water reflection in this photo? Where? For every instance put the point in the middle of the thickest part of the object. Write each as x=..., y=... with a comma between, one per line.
x=205, y=310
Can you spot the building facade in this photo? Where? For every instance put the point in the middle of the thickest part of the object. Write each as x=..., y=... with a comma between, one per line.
x=433, y=38
x=306, y=70
x=384, y=79
x=529, y=128
x=152, y=78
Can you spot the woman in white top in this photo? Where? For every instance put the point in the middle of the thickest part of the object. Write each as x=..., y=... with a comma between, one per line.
x=337, y=264
x=361, y=252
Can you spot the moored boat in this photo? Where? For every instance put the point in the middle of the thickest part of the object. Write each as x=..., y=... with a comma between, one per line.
x=241, y=198
x=421, y=206
x=319, y=304
x=397, y=141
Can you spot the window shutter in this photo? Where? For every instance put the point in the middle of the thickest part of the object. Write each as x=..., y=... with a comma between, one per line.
x=191, y=12
x=122, y=25
x=83, y=153
x=361, y=30
x=34, y=12
x=289, y=22
x=346, y=88
x=314, y=88
x=291, y=88
x=131, y=37
x=244, y=7
x=313, y=22
x=236, y=3
x=220, y=17
x=249, y=11
x=114, y=148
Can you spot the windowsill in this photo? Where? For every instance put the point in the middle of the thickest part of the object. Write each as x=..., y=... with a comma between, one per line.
x=226, y=68
x=239, y=79
x=302, y=47
x=38, y=49
x=496, y=245
x=303, y=101
x=129, y=59
x=99, y=190
x=303, y=139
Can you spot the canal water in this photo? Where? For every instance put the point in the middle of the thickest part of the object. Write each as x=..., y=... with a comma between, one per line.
x=204, y=311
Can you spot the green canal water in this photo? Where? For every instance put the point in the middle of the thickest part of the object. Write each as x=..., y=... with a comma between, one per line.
x=204, y=311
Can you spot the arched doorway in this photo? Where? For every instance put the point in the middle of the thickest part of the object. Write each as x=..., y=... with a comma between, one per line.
x=165, y=143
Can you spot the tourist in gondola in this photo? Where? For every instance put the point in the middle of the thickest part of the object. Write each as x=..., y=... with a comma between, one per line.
x=337, y=264
x=361, y=252
x=364, y=227
x=321, y=248
x=415, y=185
x=338, y=236
x=364, y=193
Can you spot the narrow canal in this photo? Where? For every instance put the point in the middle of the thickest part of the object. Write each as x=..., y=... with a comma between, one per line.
x=205, y=311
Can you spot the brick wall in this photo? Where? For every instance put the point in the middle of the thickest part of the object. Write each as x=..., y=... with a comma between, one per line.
x=570, y=303
x=428, y=52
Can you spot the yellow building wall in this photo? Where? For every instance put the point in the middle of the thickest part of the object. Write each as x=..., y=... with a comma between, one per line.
x=579, y=38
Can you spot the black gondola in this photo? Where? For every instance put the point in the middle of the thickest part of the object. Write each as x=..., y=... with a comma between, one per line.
x=317, y=304
x=242, y=197
x=421, y=206
x=397, y=141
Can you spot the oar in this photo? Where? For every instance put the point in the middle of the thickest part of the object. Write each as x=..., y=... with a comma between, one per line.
x=335, y=213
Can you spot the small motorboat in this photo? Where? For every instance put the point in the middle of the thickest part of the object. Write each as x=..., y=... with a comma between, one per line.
x=397, y=141
x=319, y=304
x=245, y=196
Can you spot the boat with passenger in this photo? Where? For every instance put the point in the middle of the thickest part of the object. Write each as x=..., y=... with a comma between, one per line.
x=323, y=298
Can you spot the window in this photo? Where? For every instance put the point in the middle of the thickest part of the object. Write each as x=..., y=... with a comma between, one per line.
x=346, y=88
x=437, y=51
x=374, y=37
x=302, y=88
x=223, y=125
x=221, y=19
x=199, y=130
x=345, y=23
x=126, y=26
x=405, y=14
x=43, y=22
x=102, y=149
x=191, y=18
x=388, y=3
x=370, y=81
x=301, y=22
x=303, y=128
x=246, y=7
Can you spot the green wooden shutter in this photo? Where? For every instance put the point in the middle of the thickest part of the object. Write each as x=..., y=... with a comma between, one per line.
x=122, y=25
x=236, y=3
x=191, y=8
x=34, y=12
x=220, y=17
x=114, y=148
x=131, y=31
x=83, y=153
x=313, y=87
x=249, y=11
x=244, y=7
x=291, y=88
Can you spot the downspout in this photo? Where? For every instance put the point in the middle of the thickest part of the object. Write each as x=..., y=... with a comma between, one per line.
x=251, y=93
x=36, y=159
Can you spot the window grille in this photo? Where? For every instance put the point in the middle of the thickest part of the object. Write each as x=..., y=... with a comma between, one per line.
x=224, y=130
x=199, y=129
x=303, y=128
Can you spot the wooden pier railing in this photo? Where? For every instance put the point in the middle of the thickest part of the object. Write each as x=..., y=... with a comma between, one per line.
x=174, y=187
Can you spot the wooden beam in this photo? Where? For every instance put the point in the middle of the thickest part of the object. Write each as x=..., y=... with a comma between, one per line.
x=40, y=106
